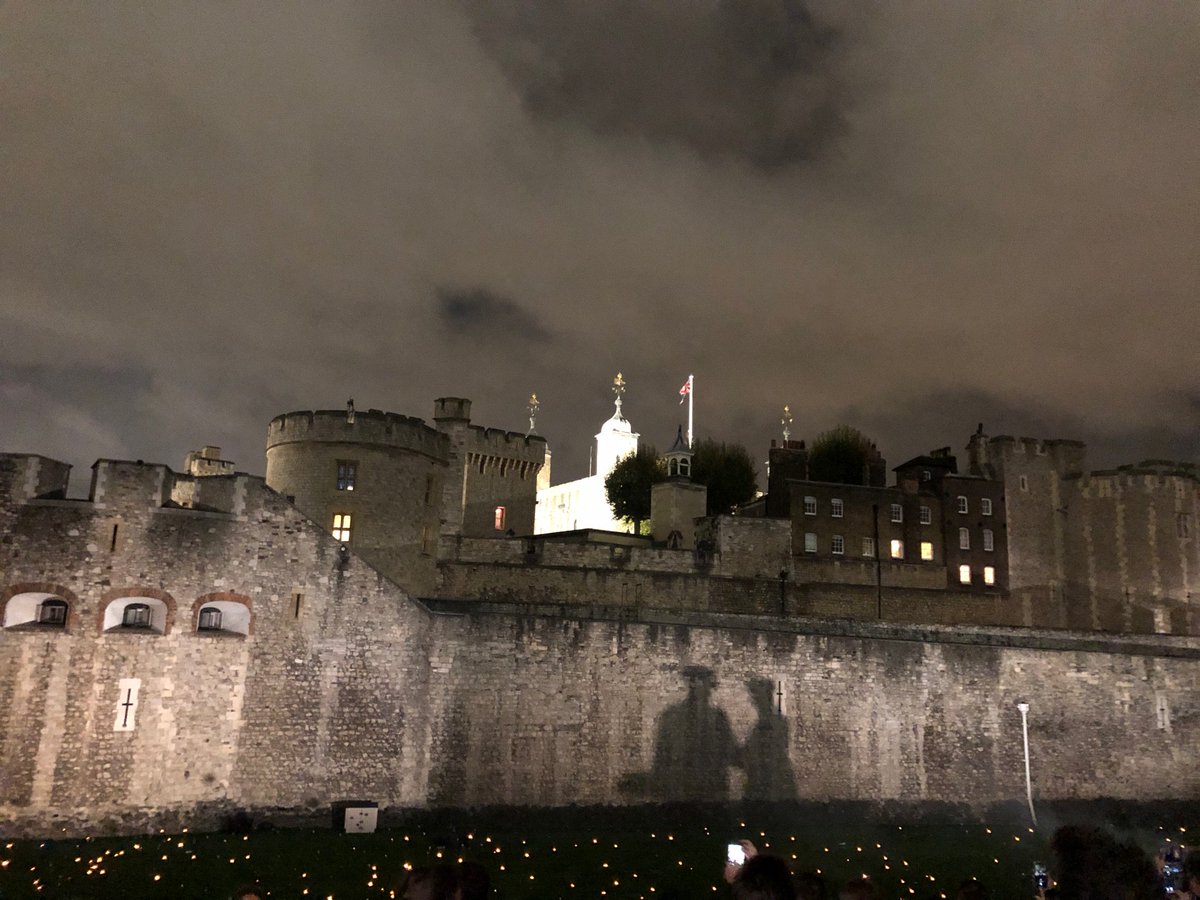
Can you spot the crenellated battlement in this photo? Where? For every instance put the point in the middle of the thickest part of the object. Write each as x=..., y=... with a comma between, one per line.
x=372, y=426
x=509, y=444
x=1067, y=456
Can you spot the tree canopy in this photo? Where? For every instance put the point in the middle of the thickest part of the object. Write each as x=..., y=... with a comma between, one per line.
x=840, y=456
x=628, y=485
x=727, y=471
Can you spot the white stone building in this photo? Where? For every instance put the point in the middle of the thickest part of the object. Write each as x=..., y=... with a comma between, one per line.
x=582, y=503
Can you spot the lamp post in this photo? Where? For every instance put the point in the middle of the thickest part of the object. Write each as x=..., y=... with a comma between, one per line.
x=1024, y=708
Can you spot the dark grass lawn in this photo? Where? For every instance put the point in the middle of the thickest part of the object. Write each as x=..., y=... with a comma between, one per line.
x=663, y=852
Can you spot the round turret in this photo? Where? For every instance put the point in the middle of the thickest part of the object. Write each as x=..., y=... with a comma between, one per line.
x=374, y=480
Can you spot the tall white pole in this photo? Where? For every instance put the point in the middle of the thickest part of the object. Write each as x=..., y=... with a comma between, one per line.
x=1024, y=708
x=691, y=399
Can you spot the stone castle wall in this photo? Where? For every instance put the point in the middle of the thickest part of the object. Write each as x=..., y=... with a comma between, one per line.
x=579, y=574
x=344, y=687
x=611, y=711
x=1111, y=551
x=303, y=708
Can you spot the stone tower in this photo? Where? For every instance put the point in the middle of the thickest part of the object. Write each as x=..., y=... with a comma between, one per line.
x=676, y=503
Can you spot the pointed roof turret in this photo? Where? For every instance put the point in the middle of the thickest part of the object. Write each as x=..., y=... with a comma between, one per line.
x=679, y=458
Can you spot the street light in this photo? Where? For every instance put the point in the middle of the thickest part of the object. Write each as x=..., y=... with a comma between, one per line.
x=1024, y=708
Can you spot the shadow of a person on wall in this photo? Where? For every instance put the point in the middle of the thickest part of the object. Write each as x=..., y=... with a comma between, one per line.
x=765, y=757
x=693, y=748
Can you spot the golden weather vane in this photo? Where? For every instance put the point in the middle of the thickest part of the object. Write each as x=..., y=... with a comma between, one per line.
x=618, y=389
x=534, y=406
x=786, y=422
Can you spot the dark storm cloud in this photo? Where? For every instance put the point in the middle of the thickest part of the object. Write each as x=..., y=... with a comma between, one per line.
x=748, y=79
x=479, y=312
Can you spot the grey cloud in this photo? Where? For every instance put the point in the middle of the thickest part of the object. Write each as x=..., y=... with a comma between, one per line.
x=755, y=80
x=479, y=311
x=216, y=213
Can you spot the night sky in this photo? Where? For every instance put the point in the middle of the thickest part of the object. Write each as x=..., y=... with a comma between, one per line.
x=910, y=218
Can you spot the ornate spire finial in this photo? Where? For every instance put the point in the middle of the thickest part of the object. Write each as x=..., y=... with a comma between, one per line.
x=533, y=407
x=618, y=389
x=350, y=411
x=786, y=422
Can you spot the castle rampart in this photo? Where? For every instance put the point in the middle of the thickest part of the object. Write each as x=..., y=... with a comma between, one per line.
x=366, y=427
x=345, y=687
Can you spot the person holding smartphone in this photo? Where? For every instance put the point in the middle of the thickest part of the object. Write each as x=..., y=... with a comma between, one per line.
x=756, y=876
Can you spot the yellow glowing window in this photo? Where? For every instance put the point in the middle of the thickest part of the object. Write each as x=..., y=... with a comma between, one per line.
x=501, y=515
x=964, y=574
x=341, y=527
x=897, y=549
x=927, y=551
x=989, y=575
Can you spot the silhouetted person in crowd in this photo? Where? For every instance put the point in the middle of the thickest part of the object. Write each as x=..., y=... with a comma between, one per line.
x=1093, y=865
x=249, y=893
x=859, y=889
x=694, y=745
x=809, y=886
x=761, y=877
x=432, y=883
x=765, y=756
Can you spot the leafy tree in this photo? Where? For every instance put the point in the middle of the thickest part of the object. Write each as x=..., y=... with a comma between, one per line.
x=727, y=471
x=840, y=456
x=628, y=485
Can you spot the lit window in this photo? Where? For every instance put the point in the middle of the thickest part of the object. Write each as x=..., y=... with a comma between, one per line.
x=52, y=612
x=136, y=615
x=897, y=512
x=897, y=549
x=989, y=575
x=810, y=506
x=964, y=574
x=962, y=504
x=985, y=506
x=837, y=508
x=989, y=543
x=926, y=515
x=868, y=547
x=500, y=516
x=210, y=619
x=341, y=527
x=810, y=543
x=838, y=546
x=346, y=471
x=926, y=475
x=927, y=551
x=964, y=539
x=1024, y=483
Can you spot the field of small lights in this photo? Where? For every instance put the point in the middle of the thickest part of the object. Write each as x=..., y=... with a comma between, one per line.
x=661, y=853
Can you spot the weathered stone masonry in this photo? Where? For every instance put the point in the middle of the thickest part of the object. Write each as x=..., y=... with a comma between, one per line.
x=346, y=687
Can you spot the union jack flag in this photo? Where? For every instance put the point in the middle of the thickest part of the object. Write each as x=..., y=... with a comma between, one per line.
x=685, y=390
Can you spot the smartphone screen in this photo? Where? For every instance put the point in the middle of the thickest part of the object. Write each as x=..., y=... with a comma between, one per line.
x=735, y=854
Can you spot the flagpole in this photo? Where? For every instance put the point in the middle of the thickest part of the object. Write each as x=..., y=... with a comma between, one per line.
x=691, y=398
